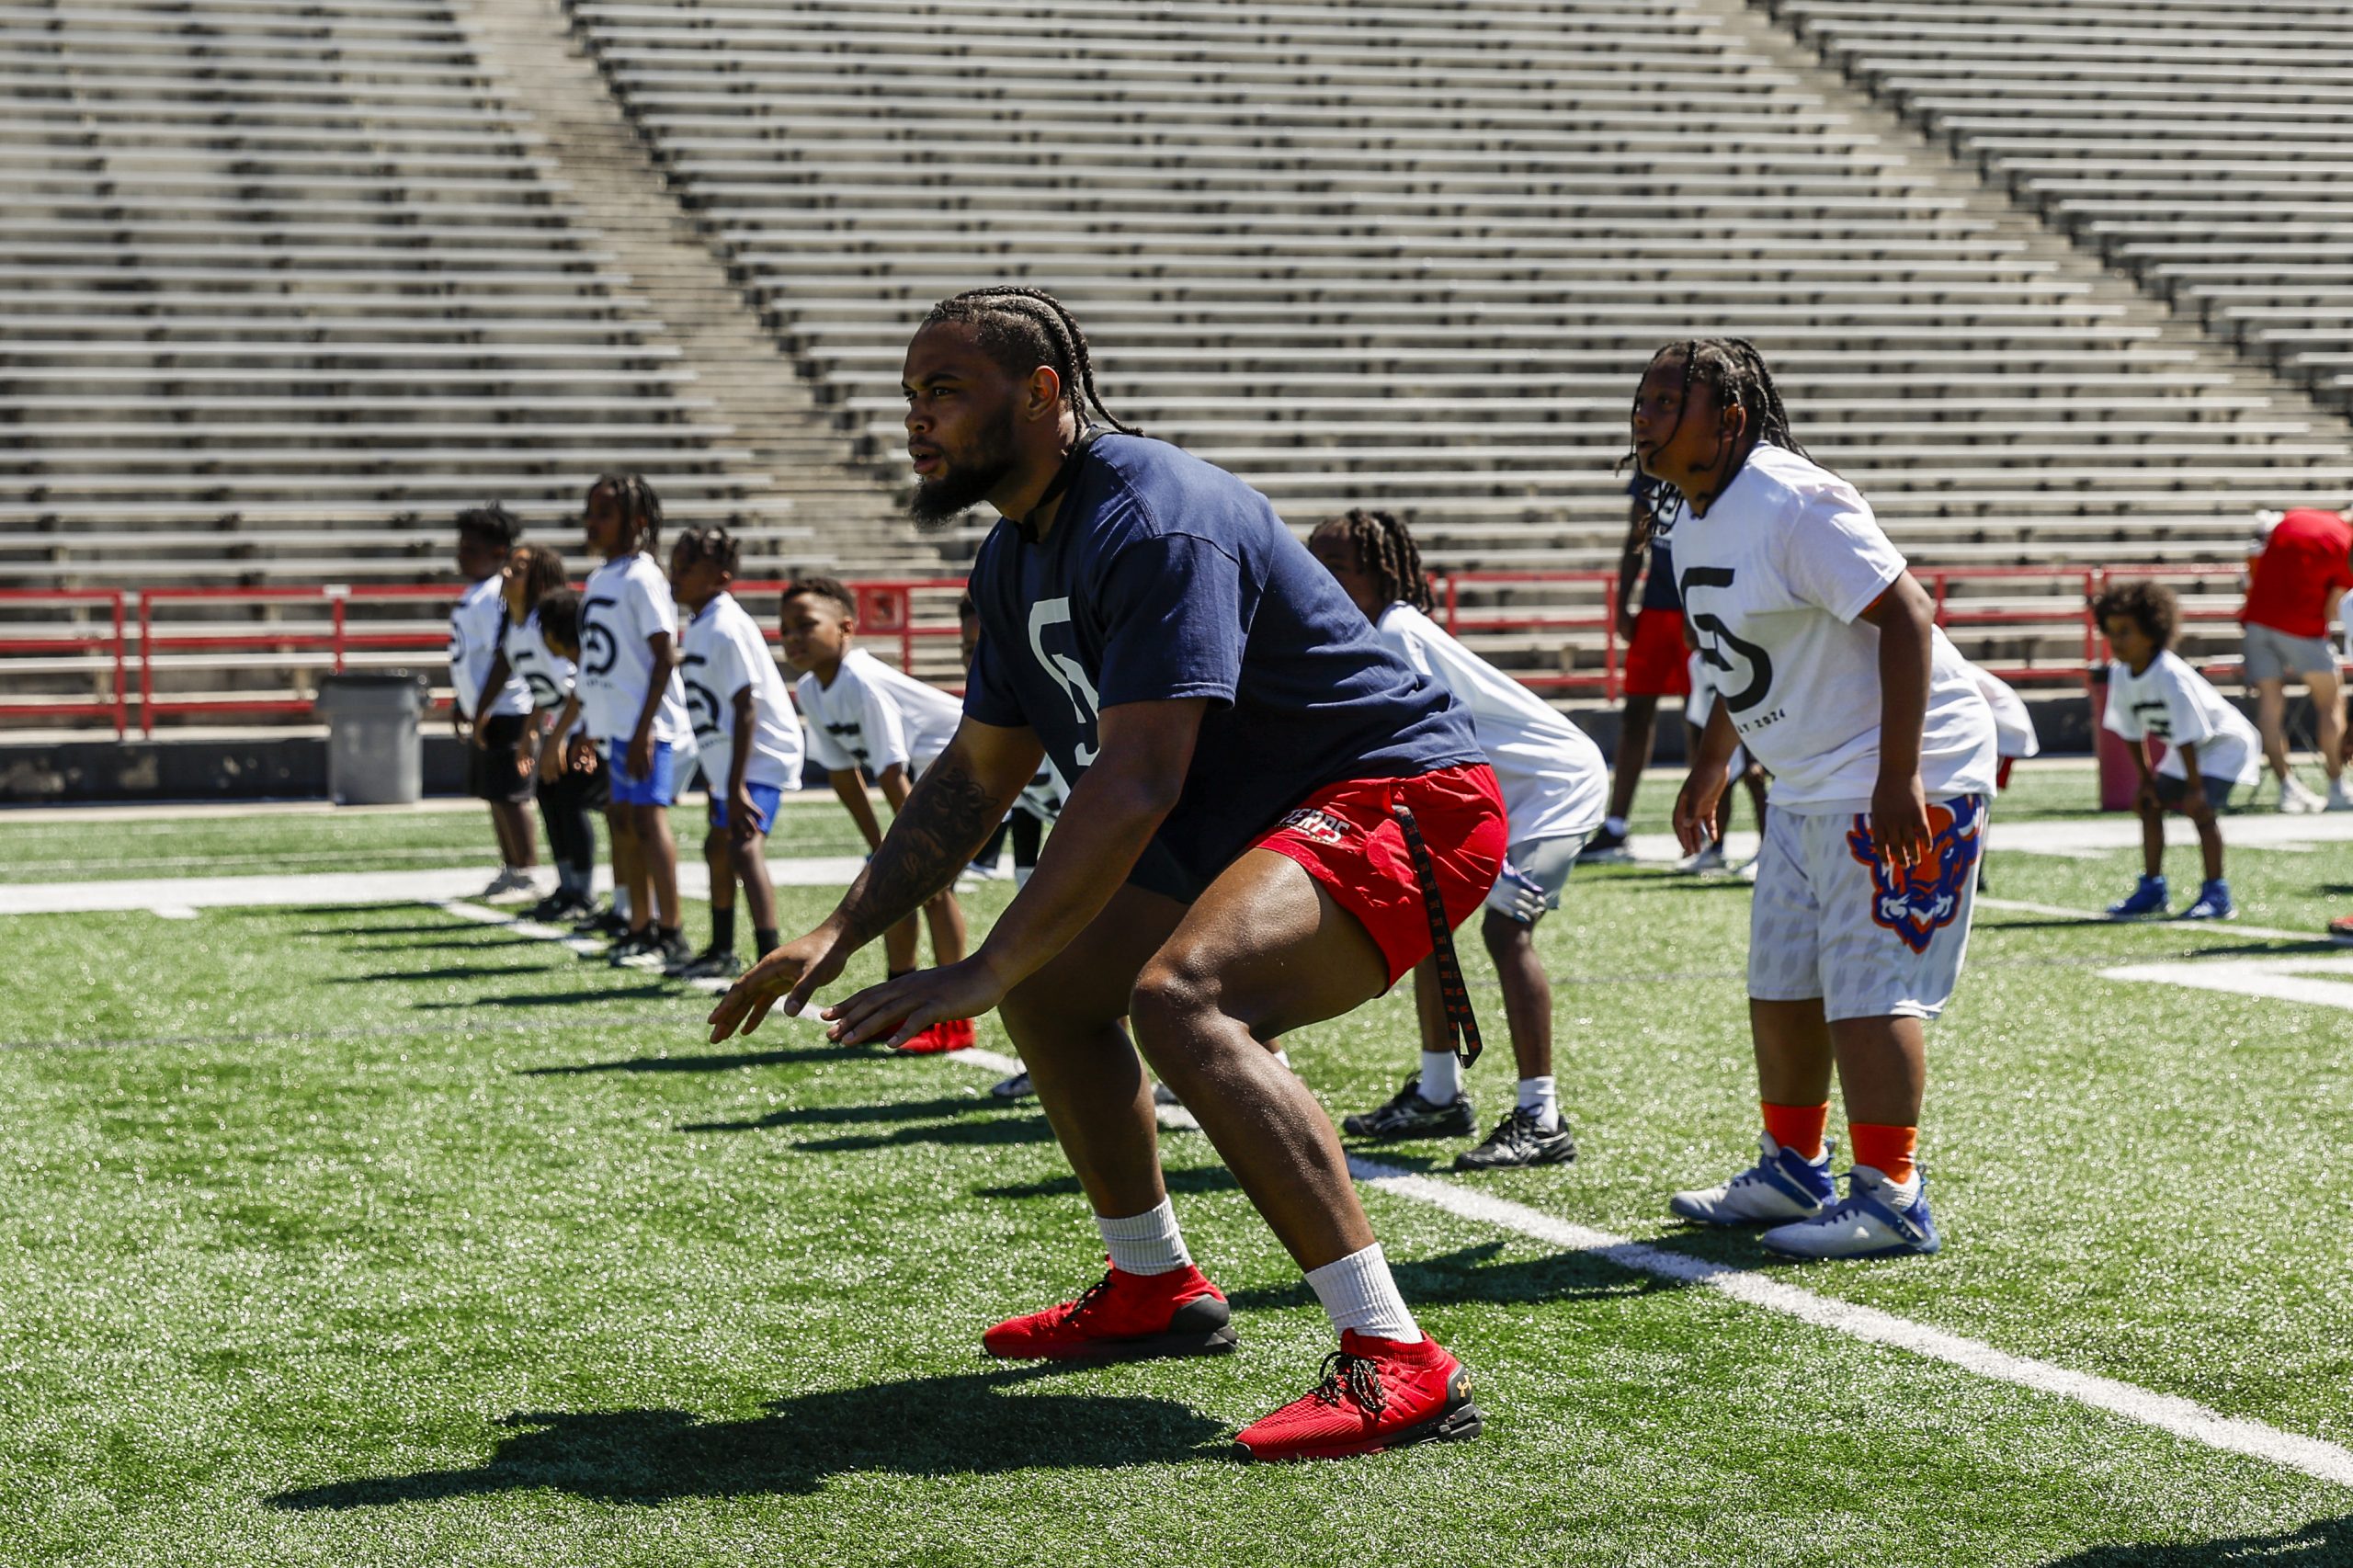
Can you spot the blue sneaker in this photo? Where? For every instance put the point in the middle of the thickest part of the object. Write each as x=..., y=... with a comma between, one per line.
x=2213, y=903
x=1777, y=1188
x=2148, y=899
x=1878, y=1219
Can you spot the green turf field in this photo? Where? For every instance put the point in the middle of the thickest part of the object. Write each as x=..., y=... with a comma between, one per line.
x=372, y=1235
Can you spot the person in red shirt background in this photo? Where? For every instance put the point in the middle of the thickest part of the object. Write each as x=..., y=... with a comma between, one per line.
x=2296, y=580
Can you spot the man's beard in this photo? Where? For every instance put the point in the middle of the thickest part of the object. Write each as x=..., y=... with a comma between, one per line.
x=959, y=487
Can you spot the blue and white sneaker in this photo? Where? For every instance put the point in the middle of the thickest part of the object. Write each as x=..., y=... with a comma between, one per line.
x=2213, y=903
x=1876, y=1219
x=2147, y=900
x=1777, y=1188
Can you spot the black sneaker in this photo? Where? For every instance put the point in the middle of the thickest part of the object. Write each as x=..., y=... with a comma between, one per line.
x=1014, y=1088
x=709, y=965
x=1410, y=1116
x=595, y=922
x=1605, y=848
x=1519, y=1139
x=663, y=955
x=633, y=944
x=557, y=906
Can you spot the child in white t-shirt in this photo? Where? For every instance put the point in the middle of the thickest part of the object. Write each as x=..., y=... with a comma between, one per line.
x=571, y=785
x=2153, y=693
x=1829, y=668
x=747, y=740
x=1556, y=791
x=489, y=705
x=629, y=692
x=867, y=718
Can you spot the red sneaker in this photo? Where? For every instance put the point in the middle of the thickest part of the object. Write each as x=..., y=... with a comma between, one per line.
x=1376, y=1395
x=949, y=1034
x=1125, y=1317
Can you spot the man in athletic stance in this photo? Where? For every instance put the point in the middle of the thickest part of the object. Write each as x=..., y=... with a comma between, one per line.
x=1266, y=805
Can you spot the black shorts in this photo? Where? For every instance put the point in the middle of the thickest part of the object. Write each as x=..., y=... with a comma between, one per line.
x=492, y=770
x=2171, y=791
x=577, y=791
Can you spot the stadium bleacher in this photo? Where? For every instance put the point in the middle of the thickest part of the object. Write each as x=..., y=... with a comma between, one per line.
x=2202, y=154
x=286, y=278
x=1413, y=256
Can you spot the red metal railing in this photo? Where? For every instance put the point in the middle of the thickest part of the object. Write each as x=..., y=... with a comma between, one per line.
x=109, y=644
x=913, y=613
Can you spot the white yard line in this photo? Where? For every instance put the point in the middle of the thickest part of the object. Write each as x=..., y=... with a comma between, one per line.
x=346, y=887
x=2167, y=1413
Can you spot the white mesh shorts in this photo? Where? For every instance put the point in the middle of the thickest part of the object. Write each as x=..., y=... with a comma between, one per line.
x=1547, y=862
x=1872, y=942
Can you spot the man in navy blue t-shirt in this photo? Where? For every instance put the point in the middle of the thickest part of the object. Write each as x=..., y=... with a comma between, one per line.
x=1231, y=867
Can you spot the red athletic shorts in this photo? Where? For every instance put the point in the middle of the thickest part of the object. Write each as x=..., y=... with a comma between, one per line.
x=1347, y=839
x=1658, y=665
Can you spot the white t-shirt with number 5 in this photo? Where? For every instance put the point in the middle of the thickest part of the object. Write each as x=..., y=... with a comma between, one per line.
x=1775, y=579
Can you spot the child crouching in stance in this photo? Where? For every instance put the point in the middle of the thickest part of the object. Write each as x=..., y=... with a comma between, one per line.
x=2152, y=690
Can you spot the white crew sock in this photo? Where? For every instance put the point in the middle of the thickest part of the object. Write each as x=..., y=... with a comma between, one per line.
x=1536, y=1095
x=620, y=902
x=1148, y=1243
x=1615, y=825
x=1284, y=1057
x=1358, y=1293
x=1441, y=1077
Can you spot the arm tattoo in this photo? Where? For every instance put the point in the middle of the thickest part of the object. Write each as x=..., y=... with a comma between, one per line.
x=934, y=836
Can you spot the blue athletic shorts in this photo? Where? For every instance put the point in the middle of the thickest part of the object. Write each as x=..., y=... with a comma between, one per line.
x=764, y=798
x=632, y=790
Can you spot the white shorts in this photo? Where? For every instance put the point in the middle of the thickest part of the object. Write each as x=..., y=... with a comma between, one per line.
x=1830, y=921
x=1547, y=862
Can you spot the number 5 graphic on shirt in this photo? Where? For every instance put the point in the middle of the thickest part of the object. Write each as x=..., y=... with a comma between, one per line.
x=1714, y=637
x=598, y=649
x=1065, y=671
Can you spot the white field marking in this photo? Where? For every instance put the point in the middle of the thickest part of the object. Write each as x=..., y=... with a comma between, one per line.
x=172, y=912
x=438, y=805
x=2272, y=980
x=2169, y=1413
x=2096, y=917
x=352, y=886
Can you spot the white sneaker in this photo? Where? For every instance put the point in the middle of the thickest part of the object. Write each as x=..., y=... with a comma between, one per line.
x=1777, y=1188
x=1876, y=1219
x=2340, y=799
x=512, y=885
x=2296, y=798
x=1170, y=1113
x=1709, y=859
x=1747, y=872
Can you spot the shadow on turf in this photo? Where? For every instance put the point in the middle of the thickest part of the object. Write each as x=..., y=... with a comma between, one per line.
x=963, y=1425
x=855, y=1114
x=2322, y=1541
x=716, y=1061
x=447, y=972
x=1471, y=1275
x=553, y=998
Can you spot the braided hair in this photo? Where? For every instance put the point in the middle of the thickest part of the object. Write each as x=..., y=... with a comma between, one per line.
x=1733, y=369
x=641, y=508
x=713, y=544
x=1021, y=328
x=542, y=572
x=1386, y=553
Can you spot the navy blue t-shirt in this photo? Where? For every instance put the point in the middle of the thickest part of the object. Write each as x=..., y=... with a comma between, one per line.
x=1659, y=591
x=1164, y=578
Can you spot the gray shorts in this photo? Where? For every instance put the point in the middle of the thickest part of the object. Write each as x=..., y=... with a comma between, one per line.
x=1544, y=861
x=2272, y=655
x=1829, y=920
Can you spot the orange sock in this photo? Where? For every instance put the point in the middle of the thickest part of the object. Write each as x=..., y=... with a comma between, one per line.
x=1798, y=1126
x=1887, y=1150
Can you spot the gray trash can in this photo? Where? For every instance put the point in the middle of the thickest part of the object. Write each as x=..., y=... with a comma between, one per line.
x=374, y=758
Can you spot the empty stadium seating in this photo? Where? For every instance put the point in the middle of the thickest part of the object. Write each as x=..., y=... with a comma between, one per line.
x=2199, y=147
x=1415, y=254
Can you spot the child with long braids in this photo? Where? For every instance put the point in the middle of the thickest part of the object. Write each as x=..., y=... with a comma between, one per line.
x=1830, y=669
x=1555, y=790
x=636, y=707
